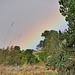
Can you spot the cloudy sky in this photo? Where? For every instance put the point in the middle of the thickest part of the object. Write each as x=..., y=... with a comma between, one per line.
x=23, y=21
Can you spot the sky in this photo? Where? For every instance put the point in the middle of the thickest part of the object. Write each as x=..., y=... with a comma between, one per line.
x=23, y=21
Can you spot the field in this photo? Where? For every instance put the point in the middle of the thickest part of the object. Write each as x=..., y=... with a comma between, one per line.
x=26, y=70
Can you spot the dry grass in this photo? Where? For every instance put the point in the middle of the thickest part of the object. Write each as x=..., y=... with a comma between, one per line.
x=25, y=70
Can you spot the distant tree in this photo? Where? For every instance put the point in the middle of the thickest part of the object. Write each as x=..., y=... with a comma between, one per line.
x=28, y=57
x=41, y=45
x=17, y=48
x=29, y=51
x=51, y=41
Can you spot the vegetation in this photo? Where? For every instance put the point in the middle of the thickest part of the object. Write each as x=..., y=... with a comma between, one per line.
x=62, y=47
x=49, y=73
x=17, y=57
x=57, y=49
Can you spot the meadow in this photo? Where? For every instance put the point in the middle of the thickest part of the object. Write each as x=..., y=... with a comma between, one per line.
x=27, y=70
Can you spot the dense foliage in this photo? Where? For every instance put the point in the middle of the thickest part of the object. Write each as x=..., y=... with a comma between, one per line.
x=67, y=8
x=61, y=46
x=14, y=56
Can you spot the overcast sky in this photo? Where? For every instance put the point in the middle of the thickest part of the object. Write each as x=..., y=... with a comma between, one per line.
x=23, y=21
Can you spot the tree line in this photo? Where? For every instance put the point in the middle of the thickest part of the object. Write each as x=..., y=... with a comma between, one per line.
x=14, y=56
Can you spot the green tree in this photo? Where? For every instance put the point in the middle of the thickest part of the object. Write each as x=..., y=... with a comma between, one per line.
x=28, y=57
x=51, y=41
x=67, y=8
x=63, y=60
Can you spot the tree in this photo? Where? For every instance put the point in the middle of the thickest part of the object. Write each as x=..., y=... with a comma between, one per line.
x=62, y=60
x=51, y=41
x=28, y=57
x=17, y=48
x=67, y=8
x=41, y=45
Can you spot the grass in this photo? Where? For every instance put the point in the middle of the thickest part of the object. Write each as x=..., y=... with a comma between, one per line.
x=27, y=70
x=48, y=73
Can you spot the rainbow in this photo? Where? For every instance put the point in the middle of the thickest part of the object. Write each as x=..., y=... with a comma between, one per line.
x=56, y=22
